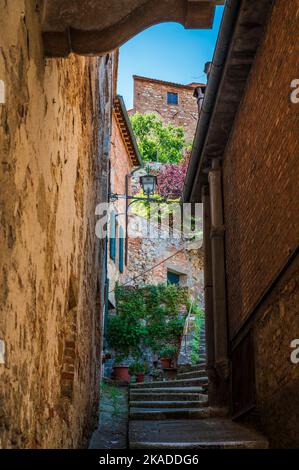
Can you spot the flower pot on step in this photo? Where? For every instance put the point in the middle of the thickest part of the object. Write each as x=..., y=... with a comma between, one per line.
x=165, y=362
x=140, y=377
x=121, y=373
x=170, y=373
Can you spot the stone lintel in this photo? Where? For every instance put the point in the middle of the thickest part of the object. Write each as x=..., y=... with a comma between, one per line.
x=100, y=27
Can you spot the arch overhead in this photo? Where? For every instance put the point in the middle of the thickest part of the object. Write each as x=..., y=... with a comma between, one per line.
x=95, y=27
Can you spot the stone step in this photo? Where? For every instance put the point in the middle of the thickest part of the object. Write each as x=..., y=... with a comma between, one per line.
x=202, y=412
x=168, y=404
x=191, y=374
x=212, y=433
x=202, y=358
x=141, y=396
x=192, y=367
x=198, y=381
x=168, y=413
x=167, y=390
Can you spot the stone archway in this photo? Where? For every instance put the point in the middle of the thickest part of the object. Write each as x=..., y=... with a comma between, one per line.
x=95, y=27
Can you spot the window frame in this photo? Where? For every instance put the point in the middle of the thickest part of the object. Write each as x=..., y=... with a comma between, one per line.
x=171, y=103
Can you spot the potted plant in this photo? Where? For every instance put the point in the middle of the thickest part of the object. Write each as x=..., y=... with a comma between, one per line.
x=138, y=368
x=167, y=355
x=124, y=338
x=121, y=369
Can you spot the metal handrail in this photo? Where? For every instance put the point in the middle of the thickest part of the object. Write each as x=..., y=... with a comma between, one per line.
x=186, y=327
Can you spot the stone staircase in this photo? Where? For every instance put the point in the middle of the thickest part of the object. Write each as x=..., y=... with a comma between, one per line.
x=183, y=397
x=176, y=414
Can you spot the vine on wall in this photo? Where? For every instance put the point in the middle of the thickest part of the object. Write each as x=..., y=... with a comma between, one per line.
x=152, y=316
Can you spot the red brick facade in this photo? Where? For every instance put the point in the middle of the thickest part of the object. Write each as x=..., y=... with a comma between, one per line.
x=123, y=158
x=150, y=96
x=261, y=204
x=261, y=171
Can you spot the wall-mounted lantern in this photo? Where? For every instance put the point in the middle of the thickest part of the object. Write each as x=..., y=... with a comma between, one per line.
x=148, y=183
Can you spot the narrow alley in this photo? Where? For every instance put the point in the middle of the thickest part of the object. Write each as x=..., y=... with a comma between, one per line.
x=149, y=224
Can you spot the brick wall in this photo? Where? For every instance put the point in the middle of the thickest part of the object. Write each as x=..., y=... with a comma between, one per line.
x=261, y=170
x=261, y=204
x=121, y=166
x=277, y=378
x=150, y=96
x=49, y=178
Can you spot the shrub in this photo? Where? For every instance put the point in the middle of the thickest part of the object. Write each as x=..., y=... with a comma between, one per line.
x=169, y=352
x=137, y=367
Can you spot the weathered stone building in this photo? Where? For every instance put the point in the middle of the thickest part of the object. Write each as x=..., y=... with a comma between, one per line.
x=124, y=158
x=54, y=125
x=55, y=129
x=160, y=257
x=171, y=102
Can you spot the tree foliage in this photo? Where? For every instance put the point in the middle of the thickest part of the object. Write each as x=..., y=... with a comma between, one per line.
x=171, y=179
x=157, y=142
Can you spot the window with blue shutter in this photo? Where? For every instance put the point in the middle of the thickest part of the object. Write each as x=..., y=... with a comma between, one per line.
x=173, y=278
x=113, y=236
x=121, y=249
x=172, y=98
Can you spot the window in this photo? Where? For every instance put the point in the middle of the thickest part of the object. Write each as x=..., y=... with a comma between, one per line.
x=172, y=98
x=121, y=249
x=113, y=236
x=173, y=278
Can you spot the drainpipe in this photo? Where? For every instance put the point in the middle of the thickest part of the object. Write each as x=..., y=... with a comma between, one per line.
x=208, y=293
x=222, y=365
x=215, y=74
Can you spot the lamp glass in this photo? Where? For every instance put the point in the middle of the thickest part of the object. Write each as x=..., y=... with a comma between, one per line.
x=148, y=183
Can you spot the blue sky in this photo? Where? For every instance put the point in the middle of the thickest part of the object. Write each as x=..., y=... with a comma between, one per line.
x=167, y=52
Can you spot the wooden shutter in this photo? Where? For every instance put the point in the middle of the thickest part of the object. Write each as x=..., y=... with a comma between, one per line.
x=113, y=236
x=121, y=249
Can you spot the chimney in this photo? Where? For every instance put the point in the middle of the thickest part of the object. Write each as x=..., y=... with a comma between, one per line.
x=199, y=94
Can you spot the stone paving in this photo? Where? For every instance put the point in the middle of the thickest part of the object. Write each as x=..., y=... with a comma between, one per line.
x=113, y=422
x=193, y=434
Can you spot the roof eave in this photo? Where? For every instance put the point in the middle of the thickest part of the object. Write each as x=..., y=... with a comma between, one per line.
x=241, y=31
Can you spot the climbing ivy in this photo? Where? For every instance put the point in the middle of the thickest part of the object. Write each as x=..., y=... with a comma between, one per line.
x=195, y=343
x=147, y=316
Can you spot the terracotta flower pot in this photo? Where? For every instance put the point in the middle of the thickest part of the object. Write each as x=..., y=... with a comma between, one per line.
x=140, y=377
x=170, y=373
x=121, y=373
x=165, y=362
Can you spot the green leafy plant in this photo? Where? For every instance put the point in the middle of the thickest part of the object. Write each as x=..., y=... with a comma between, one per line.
x=195, y=343
x=111, y=394
x=158, y=142
x=124, y=336
x=147, y=317
x=175, y=328
x=138, y=367
x=169, y=352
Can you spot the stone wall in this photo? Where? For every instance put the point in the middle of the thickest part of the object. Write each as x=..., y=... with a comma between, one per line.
x=151, y=258
x=150, y=96
x=260, y=179
x=53, y=160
